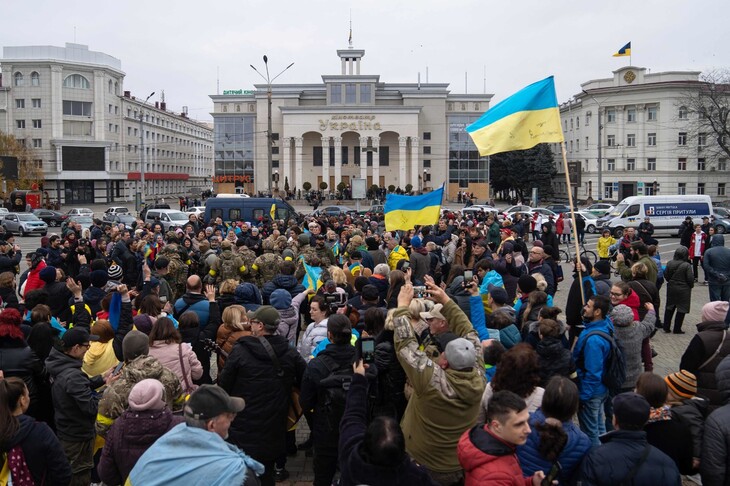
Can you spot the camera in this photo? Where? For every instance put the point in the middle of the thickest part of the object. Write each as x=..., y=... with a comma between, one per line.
x=335, y=300
x=419, y=292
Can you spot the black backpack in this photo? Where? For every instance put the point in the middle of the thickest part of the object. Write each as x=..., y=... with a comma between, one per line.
x=614, y=368
x=333, y=392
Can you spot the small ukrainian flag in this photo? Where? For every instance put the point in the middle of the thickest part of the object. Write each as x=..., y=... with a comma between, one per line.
x=624, y=51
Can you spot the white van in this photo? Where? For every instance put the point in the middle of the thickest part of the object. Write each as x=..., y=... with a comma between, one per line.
x=666, y=213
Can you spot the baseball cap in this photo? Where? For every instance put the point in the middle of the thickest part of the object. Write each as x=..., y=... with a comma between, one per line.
x=77, y=335
x=434, y=313
x=267, y=314
x=210, y=401
x=460, y=354
x=499, y=295
x=631, y=410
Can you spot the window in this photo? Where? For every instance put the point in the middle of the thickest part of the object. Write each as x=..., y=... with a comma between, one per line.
x=19, y=123
x=631, y=115
x=632, y=211
x=610, y=164
x=37, y=124
x=571, y=123
x=682, y=114
x=427, y=135
x=19, y=103
x=577, y=144
x=18, y=79
x=116, y=88
x=336, y=93
x=365, y=93
x=651, y=113
x=37, y=143
x=77, y=108
x=630, y=164
x=76, y=81
x=577, y=122
x=721, y=189
x=682, y=139
x=21, y=141
x=350, y=94
x=611, y=140
x=35, y=79
x=426, y=163
x=427, y=150
x=682, y=188
x=610, y=116
x=317, y=156
x=631, y=140
x=585, y=147
x=651, y=139
x=384, y=156
x=111, y=86
x=701, y=139
x=682, y=164
x=701, y=164
x=607, y=190
x=588, y=119
x=566, y=126
x=700, y=188
x=111, y=108
x=722, y=164
x=36, y=102
x=651, y=164
x=571, y=146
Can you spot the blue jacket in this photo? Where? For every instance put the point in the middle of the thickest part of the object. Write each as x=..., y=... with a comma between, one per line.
x=197, y=303
x=595, y=351
x=577, y=446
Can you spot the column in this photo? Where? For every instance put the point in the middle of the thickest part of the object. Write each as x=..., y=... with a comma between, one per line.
x=415, y=146
x=285, y=163
x=338, y=161
x=357, y=66
x=376, y=161
x=640, y=138
x=298, y=143
x=363, y=158
x=402, y=181
x=326, y=162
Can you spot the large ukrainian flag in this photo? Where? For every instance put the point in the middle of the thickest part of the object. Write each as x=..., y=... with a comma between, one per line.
x=520, y=122
x=407, y=212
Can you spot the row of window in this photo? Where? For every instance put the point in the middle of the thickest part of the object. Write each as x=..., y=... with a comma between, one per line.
x=37, y=123
x=650, y=140
x=651, y=164
x=20, y=103
x=651, y=190
x=652, y=114
x=165, y=123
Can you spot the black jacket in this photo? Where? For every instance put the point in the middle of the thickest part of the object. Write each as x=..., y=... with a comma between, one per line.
x=701, y=348
x=554, y=359
x=44, y=456
x=280, y=281
x=9, y=262
x=249, y=373
x=17, y=359
x=610, y=463
x=9, y=298
x=390, y=399
x=58, y=298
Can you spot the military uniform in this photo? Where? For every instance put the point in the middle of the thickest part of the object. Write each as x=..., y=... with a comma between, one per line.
x=222, y=270
x=178, y=270
x=266, y=267
x=248, y=257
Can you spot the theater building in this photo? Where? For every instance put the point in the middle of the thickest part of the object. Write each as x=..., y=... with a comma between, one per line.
x=350, y=126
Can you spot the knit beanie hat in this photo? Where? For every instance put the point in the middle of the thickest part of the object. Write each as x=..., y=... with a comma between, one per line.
x=48, y=275
x=527, y=284
x=622, y=315
x=148, y=394
x=712, y=311
x=135, y=344
x=115, y=272
x=683, y=383
x=99, y=278
x=280, y=299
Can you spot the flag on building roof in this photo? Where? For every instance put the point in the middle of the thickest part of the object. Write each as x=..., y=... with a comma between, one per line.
x=624, y=51
x=525, y=119
x=407, y=212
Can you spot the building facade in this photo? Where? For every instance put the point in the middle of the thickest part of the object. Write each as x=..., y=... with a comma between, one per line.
x=632, y=134
x=68, y=104
x=350, y=126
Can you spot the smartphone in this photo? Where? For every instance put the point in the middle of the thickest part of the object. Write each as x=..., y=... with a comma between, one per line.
x=406, y=266
x=118, y=369
x=552, y=475
x=367, y=349
x=419, y=292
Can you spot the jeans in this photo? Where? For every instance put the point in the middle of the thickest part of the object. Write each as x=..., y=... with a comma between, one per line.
x=719, y=292
x=591, y=417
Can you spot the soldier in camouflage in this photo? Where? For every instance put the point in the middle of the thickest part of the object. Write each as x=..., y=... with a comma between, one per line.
x=266, y=267
x=228, y=265
x=178, y=270
x=248, y=257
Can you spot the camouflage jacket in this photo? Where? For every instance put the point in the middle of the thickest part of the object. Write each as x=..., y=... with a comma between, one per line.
x=114, y=400
x=228, y=266
x=248, y=257
x=308, y=254
x=178, y=270
x=266, y=267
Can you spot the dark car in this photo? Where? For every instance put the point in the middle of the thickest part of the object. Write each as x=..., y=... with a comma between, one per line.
x=152, y=206
x=126, y=219
x=559, y=208
x=51, y=218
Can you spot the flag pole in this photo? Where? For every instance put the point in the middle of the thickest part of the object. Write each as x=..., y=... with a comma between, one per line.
x=572, y=217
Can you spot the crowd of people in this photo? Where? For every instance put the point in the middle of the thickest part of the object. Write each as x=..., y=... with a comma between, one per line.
x=430, y=356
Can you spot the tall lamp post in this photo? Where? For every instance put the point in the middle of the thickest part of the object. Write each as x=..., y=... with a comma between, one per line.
x=269, y=80
x=141, y=155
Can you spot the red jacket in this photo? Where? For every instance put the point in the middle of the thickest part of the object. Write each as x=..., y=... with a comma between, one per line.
x=634, y=302
x=487, y=459
x=34, y=282
x=692, y=246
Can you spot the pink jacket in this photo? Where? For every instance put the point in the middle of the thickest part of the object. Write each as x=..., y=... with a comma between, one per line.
x=169, y=356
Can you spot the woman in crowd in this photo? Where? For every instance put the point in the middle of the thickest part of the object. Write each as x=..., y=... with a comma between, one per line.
x=554, y=437
x=150, y=309
x=100, y=355
x=680, y=280
x=235, y=325
x=27, y=442
x=397, y=280
x=166, y=345
x=226, y=293
x=621, y=293
x=631, y=333
x=7, y=290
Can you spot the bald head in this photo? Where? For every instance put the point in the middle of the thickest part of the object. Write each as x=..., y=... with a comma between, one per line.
x=195, y=284
x=536, y=254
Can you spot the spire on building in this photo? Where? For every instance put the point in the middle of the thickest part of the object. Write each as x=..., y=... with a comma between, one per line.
x=349, y=40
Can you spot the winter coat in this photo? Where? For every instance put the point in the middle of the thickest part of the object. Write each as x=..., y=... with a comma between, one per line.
x=714, y=465
x=716, y=262
x=647, y=292
x=187, y=368
x=58, y=300
x=286, y=282
x=711, y=337
x=680, y=280
x=197, y=303
x=693, y=244
x=9, y=298
x=43, y=453
x=99, y=358
x=624, y=268
x=93, y=297
x=17, y=359
x=250, y=374
x=547, y=272
x=130, y=436
x=225, y=300
x=390, y=399
x=75, y=403
x=570, y=458
x=630, y=336
x=611, y=462
x=603, y=284
x=487, y=459
x=692, y=412
x=382, y=286
x=314, y=333
x=589, y=354
x=459, y=294
x=420, y=265
x=554, y=359
x=574, y=304
x=670, y=436
x=10, y=263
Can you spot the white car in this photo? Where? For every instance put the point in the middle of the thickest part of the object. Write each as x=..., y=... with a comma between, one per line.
x=198, y=211
x=591, y=220
x=80, y=212
x=113, y=211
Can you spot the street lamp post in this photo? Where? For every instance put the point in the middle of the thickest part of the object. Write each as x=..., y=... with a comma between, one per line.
x=269, y=80
x=140, y=203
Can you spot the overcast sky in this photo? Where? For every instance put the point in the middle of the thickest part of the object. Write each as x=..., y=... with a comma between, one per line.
x=180, y=46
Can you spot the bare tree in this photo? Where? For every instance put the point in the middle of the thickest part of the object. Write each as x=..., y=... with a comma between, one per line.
x=28, y=171
x=709, y=106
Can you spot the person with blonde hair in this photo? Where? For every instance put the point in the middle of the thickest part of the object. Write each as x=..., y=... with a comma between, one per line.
x=227, y=293
x=234, y=326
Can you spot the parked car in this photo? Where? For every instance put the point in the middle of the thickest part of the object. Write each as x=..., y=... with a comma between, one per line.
x=112, y=211
x=50, y=217
x=601, y=208
x=80, y=212
x=591, y=220
x=559, y=208
x=721, y=220
x=545, y=212
x=169, y=218
x=143, y=214
x=375, y=208
x=84, y=221
x=198, y=211
x=334, y=211
x=126, y=219
x=24, y=224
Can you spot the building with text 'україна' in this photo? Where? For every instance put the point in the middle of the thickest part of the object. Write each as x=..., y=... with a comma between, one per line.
x=350, y=126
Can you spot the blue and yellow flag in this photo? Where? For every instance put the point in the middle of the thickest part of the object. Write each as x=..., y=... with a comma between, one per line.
x=525, y=119
x=272, y=212
x=311, y=277
x=624, y=51
x=407, y=212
